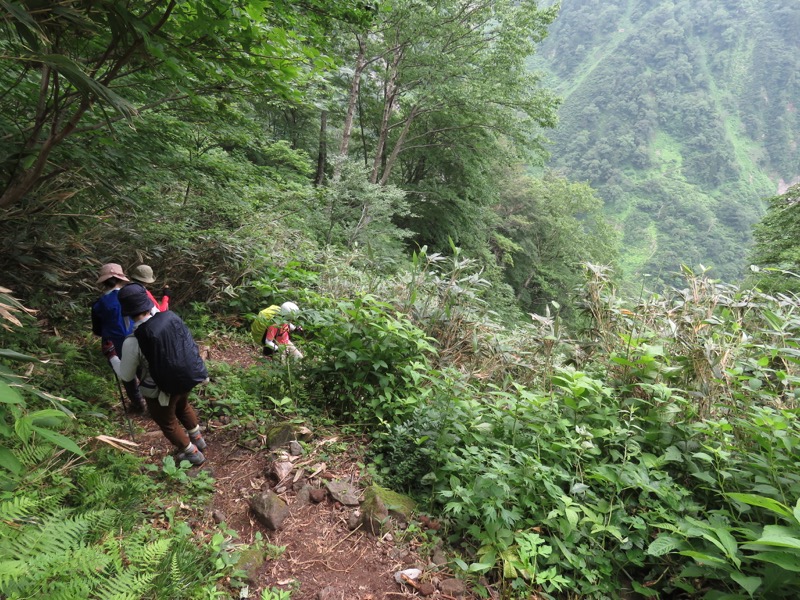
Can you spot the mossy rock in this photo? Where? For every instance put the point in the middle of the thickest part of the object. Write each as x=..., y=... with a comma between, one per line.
x=251, y=561
x=279, y=435
x=381, y=504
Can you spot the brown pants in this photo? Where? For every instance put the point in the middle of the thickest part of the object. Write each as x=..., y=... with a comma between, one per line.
x=173, y=418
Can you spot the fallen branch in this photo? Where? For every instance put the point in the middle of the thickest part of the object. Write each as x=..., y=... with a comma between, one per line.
x=119, y=444
x=410, y=582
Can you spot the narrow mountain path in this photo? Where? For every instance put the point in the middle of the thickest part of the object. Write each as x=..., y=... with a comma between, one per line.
x=314, y=554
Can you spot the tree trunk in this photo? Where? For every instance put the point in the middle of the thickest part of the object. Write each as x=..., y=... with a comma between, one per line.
x=24, y=179
x=389, y=97
x=322, y=154
x=398, y=146
x=352, y=99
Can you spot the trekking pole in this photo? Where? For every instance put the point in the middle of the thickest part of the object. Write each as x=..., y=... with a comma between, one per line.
x=125, y=408
x=288, y=360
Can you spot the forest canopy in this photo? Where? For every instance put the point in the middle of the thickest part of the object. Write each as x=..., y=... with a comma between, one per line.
x=258, y=114
x=682, y=116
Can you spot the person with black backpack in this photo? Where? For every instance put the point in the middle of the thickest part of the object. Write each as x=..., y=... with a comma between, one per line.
x=163, y=350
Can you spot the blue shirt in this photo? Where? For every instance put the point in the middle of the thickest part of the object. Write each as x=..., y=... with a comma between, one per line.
x=107, y=319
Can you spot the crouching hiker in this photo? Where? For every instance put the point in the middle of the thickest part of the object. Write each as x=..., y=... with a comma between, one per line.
x=163, y=349
x=271, y=329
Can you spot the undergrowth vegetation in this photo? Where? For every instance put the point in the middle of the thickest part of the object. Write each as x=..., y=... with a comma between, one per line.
x=650, y=445
x=659, y=457
x=653, y=451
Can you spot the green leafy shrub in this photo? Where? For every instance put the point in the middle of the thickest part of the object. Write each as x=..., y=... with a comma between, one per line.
x=674, y=463
x=227, y=394
x=366, y=359
x=27, y=433
x=566, y=467
x=275, y=285
x=407, y=454
x=746, y=479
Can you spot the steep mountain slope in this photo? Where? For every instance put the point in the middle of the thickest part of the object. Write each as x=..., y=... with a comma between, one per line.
x=682, y=115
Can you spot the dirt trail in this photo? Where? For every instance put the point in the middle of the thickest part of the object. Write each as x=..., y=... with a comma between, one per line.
x=323, y=558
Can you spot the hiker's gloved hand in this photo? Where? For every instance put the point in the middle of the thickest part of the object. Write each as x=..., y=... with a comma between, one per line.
x=299, y=330
x=108, y=349
x=166, y=293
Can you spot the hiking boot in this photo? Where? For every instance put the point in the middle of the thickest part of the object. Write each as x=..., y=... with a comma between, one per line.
x=138, y=405
x=193, y=455
x=197, y=439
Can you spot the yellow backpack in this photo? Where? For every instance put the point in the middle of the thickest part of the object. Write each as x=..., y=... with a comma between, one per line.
x=263, y=320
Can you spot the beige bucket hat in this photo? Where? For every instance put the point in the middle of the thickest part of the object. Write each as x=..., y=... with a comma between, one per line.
x=143, y=273
x=110, y=270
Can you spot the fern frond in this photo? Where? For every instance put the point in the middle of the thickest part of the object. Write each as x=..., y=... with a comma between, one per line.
x=181, y=570
x=131, y=584
x=54, y=501
x=18, y=508
x=89, y=560
x=103, y=488
x=59, y=533
x=31, y=455
x=10, y=570
x=174, y=568
x=99, y=486
x=150, y=554
x=64, y=588
x=104, y=520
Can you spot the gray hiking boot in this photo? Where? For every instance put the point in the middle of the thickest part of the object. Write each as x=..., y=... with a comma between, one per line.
x=197, y=439
x=193, y=455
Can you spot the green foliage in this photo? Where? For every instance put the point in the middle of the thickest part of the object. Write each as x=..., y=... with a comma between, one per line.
x=275, y=594
x=353, y=211
x=674, y=130
x=80, y=536
x=556, y=226
x=27, y=434
x=66, y=65
x=231, y=393
x=660, y=465
x=776, y=252
x=748, y=541
x=366, y=358
x=450, y=300
x=180, y=477
x=275, y=284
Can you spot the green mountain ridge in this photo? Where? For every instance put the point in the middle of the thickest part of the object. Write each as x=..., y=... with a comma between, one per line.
x=681, y=115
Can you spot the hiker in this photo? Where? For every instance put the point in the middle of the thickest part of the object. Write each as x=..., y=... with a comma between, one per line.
x=109, y=323
x=143, y=274
x=271, y=329
x=162, y=347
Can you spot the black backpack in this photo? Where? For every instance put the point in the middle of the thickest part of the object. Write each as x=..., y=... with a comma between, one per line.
x=171, y=353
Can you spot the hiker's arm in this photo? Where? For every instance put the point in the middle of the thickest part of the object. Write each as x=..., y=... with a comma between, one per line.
x=97, y=324
x=165, y=294
x=125, y=368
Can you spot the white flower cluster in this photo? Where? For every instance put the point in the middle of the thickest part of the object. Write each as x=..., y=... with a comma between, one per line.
x=587, y=436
